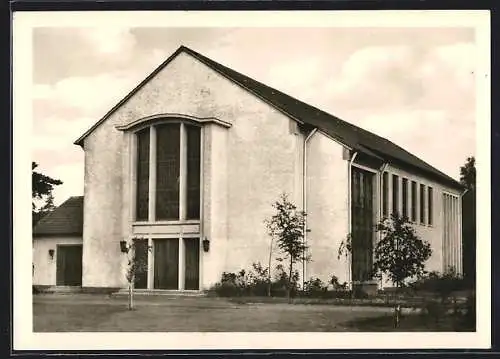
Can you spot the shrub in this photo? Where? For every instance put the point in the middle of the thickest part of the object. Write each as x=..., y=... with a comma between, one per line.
x=336, y=285
x=255, y=281
x=442, y=301
x=258, y=279
x=314, y=288
x=281, y=283
x=252, y=282
x=442, y=285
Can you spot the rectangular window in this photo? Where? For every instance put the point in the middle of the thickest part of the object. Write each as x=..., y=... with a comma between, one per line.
x=385, y=194
x=405, y=197
x=429, y=205
x=167, y=171
x=422, y=204
x=193, y=172
x=142, y=195
x=413, y=201
x=395, y=194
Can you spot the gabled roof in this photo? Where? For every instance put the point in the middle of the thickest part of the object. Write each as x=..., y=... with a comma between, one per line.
x=352, y=136
x=67, y=219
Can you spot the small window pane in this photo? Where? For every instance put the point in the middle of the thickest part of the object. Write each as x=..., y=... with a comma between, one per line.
x=385, y=194
x=193, y=172
x=395, y=194
x=405, y=197
x=413, y=201
x=167, y=171
x=429, y=205
x=422, y=204
x=142, y=195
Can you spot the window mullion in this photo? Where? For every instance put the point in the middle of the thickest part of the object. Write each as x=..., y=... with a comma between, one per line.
x=182, y=173
x=152, y=174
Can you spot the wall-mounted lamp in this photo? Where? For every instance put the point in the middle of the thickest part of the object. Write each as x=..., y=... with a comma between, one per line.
x=51, y=253
x=206, y=244
x=123, y=246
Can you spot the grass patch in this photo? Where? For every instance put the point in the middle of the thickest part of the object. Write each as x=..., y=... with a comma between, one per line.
x=57, y=317
x=99, y=313
x=408, y=323
x=73, y=313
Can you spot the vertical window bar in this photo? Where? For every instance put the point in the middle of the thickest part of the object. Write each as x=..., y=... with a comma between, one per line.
x=413, y=201
x=182, y=172
x=168, y=168
x=395, y=194
x=193, y=171
x=405, y=197
x=142, y=192
x=385, y=194
x=422, y=204
x=429, y=206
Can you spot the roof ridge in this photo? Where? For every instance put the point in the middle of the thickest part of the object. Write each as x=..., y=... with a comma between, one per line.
x=345, y=132
x=211, y=63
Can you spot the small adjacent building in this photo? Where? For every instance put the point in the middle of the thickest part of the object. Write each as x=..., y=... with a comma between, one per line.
x=57, y=246
x=191, y=161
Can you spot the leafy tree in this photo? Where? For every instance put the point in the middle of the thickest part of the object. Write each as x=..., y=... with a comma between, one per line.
x=468, y=179
x=286, y=227
x=41, y=190
x=468, y=173
x=400, y=253
x=135, y=265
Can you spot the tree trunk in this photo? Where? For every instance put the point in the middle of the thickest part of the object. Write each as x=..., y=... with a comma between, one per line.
x=130, y=297
x=290, y=282
x=269, y=269
x=396, y=306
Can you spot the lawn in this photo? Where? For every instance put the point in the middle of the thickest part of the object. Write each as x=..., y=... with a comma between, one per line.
x=408, y=323
x=91, y=313
x=101, y=313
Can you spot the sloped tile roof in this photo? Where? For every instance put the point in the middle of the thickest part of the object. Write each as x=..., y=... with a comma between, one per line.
x=354, y=137
x=67, y=219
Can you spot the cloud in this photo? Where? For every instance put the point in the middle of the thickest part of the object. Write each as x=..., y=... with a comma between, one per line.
x=449, y=74
x=297, y=74
x=385, y=78
x=81, y=52
x=111, y=40
x=65, y=127
x=409, y=85
x=421, y=132
x=93, y=95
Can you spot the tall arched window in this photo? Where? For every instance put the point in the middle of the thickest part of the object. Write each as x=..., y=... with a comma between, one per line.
x=168, y=172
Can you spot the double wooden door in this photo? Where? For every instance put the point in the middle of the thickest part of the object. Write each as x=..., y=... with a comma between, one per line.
x=166, y=263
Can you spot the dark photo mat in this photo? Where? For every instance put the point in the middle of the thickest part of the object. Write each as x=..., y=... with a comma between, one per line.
x=250, y=5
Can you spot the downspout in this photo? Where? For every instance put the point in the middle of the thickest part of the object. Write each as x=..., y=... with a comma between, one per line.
x=304, y=198
x=381, y=205
x=349, y=214
x=381, y=188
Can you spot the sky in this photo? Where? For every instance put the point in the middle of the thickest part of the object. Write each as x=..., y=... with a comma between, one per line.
x=414, y=86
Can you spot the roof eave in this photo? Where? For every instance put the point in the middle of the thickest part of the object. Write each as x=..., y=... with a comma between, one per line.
x=72, y=234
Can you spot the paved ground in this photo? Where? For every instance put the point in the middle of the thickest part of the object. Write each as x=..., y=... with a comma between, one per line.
x=90, y=313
